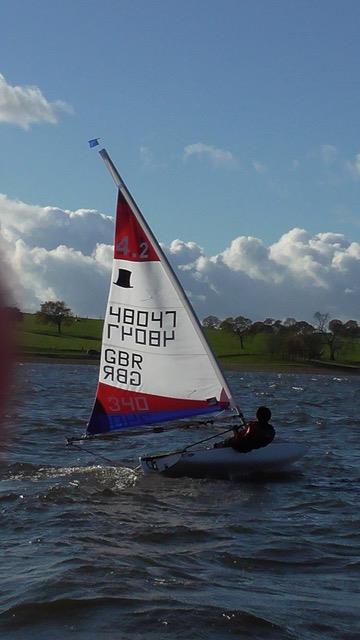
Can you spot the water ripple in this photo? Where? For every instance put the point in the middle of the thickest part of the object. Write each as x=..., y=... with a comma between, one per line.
x=100, y=551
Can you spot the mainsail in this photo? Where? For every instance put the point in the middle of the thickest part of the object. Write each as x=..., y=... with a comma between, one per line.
x=156, y=365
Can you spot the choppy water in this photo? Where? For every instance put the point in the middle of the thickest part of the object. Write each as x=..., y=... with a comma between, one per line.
x=97, y=551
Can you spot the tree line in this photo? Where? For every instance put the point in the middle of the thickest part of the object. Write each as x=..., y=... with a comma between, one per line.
x=289, y=338
x=292, y=338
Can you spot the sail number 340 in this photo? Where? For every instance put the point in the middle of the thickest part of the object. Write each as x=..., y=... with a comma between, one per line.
x=127, y=403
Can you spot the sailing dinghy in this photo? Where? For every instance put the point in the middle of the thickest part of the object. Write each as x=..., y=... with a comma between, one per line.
x=156, y=365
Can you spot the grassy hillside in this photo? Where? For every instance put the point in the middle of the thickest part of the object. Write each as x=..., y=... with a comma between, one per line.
x=227, y=344
x=76, y=339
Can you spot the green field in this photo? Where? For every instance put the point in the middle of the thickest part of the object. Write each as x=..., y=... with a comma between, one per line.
x=256, y=351
x=84, y=334
x=75, y=340
x=37, y=340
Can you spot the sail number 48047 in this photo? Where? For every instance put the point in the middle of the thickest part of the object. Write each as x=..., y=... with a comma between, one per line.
x=123, y=247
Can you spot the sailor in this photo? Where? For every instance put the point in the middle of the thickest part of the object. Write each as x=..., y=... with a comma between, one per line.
x=256, y=434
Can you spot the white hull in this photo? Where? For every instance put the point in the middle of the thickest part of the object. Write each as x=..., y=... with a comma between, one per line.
x=225, y=462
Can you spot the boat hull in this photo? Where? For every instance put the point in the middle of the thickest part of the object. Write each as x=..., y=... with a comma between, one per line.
x=225, y=462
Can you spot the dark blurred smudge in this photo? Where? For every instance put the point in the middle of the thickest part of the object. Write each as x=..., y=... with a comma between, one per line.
x=8, y=319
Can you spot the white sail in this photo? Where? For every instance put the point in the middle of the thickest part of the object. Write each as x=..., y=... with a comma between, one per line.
x=156, y=364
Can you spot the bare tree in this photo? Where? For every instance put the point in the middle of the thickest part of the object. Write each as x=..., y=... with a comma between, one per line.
x=321, y=321
x=331, y=331
x=241, y=328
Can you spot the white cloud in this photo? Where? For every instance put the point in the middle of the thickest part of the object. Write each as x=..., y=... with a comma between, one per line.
x=218, y=157
x=183, y=254
x=250, y=255
x=27, y=105
x=328, y=154
x=259, y=167
x=48, y=227
x=146, y=156
x=149, y=160
x=57, y=254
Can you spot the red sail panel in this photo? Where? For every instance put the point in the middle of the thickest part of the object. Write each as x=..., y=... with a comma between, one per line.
x=115, y=400
x=116, y=409
x=131, y=242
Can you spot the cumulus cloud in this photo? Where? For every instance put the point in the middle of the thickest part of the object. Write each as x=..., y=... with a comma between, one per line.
x=58, y=254
x=60, y=274
x=218, y=157
x=49, y=227
x=183, y=254
x=250, y=255
x=27, y=105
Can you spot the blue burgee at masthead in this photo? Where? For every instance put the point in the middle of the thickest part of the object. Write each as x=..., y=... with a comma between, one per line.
x=94, y=142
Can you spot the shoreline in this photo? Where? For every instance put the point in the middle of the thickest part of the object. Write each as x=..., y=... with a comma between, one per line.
x=315, y=368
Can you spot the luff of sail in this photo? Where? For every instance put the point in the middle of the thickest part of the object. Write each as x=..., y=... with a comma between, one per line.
x=155, y=363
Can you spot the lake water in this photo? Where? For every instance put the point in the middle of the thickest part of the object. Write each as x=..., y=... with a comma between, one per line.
x=94, y=550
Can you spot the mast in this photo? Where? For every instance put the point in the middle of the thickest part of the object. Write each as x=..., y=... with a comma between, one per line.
x=169, y=271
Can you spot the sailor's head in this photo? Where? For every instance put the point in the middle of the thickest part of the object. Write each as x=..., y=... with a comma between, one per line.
x=263, y=414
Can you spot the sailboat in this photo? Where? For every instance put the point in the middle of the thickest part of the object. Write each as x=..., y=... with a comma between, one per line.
x=156, y=366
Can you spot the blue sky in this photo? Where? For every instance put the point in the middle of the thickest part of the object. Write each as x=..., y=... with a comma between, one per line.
x=225, y=118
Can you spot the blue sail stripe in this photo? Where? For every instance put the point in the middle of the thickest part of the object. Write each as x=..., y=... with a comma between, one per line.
x=102, y=423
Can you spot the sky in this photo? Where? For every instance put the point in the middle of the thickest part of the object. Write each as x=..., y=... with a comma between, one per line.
x=235, y=124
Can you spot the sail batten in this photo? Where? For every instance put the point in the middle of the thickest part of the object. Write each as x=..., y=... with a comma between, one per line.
x=156, y=364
